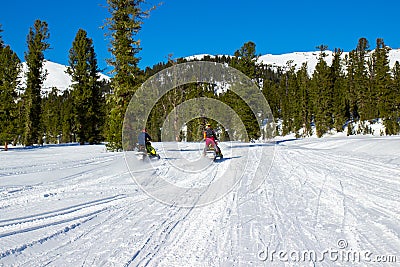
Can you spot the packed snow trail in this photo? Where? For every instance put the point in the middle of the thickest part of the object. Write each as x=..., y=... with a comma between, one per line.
x=79, y=206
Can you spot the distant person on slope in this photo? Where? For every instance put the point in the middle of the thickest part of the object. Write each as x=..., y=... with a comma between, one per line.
x=144, y=143
x=211, y=139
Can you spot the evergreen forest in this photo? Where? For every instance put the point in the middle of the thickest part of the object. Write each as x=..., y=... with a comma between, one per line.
x=359, y=88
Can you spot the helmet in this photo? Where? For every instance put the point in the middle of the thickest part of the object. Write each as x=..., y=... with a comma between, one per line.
x=208, y=125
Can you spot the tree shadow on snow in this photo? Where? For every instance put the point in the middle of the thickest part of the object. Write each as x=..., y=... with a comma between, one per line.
x=287, y=140
x=37, y=147
x=228, y=158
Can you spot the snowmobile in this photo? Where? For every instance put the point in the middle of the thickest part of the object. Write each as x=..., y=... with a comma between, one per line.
x=149, y=151
x=211, y=153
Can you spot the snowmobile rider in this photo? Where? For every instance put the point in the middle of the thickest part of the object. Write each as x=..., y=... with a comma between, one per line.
x=144, y=140
x=210, y=137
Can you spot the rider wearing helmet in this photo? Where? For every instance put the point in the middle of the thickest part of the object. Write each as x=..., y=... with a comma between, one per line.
x=143, y=140
x=210, y=137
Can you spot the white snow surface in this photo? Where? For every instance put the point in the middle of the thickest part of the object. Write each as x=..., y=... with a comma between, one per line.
x=71, y=205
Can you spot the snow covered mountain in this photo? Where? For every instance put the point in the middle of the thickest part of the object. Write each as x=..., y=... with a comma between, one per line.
x=298, y=58
x=311, y=58
x=56, y=77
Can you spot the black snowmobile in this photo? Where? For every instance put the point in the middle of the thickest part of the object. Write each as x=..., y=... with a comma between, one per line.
x=147, y=151
x=211, y=153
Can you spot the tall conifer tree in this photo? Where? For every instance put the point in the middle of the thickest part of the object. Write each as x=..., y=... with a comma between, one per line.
x=37, y=44
x=67, y=118
x=9, y=78
x=87, y=96
x=245, y=60
x=125, y=23
x=50, y=117
x=396, y=92
x=340, y=105
x=1, y=37
x=322, y=96
x=381, y=77
x=384, y=88
x=303, y=108
x=360, y=89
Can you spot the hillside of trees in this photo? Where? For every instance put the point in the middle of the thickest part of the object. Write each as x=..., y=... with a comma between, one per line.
x=360, y=87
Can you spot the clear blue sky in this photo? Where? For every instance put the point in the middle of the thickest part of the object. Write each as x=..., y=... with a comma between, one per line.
x=187, y=27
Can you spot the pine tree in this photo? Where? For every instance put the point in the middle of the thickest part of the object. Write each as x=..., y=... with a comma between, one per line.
x=384, y=87
x=303, y=109
x=67, y=118
x=271, y=90
x=381, y=77
x=245, y=60
x=37, y=44
x=350, y=85
x=360, y=90
x=51, y=116
x=340, y=106
x=1, y=38
x=86, y=91
x=322, y=96
x=396, y=100
x=125, y=23
x=289, y=102
x=174, y=98
x=9, y=78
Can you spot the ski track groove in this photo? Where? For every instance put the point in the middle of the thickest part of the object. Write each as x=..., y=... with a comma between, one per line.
x=117, y=212
x=280, y=210
x=96, y=232
x=46, y=238
x=55, y=213
x=37, y=168
x=161, y=235
x=349, y=176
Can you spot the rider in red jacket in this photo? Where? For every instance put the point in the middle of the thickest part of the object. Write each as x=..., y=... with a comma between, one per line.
x=210, y=137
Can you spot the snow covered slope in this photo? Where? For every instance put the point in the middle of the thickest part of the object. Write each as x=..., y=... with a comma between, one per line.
x=312, y=59
x=298, y=58
x=56, y=76
x=79, y=206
